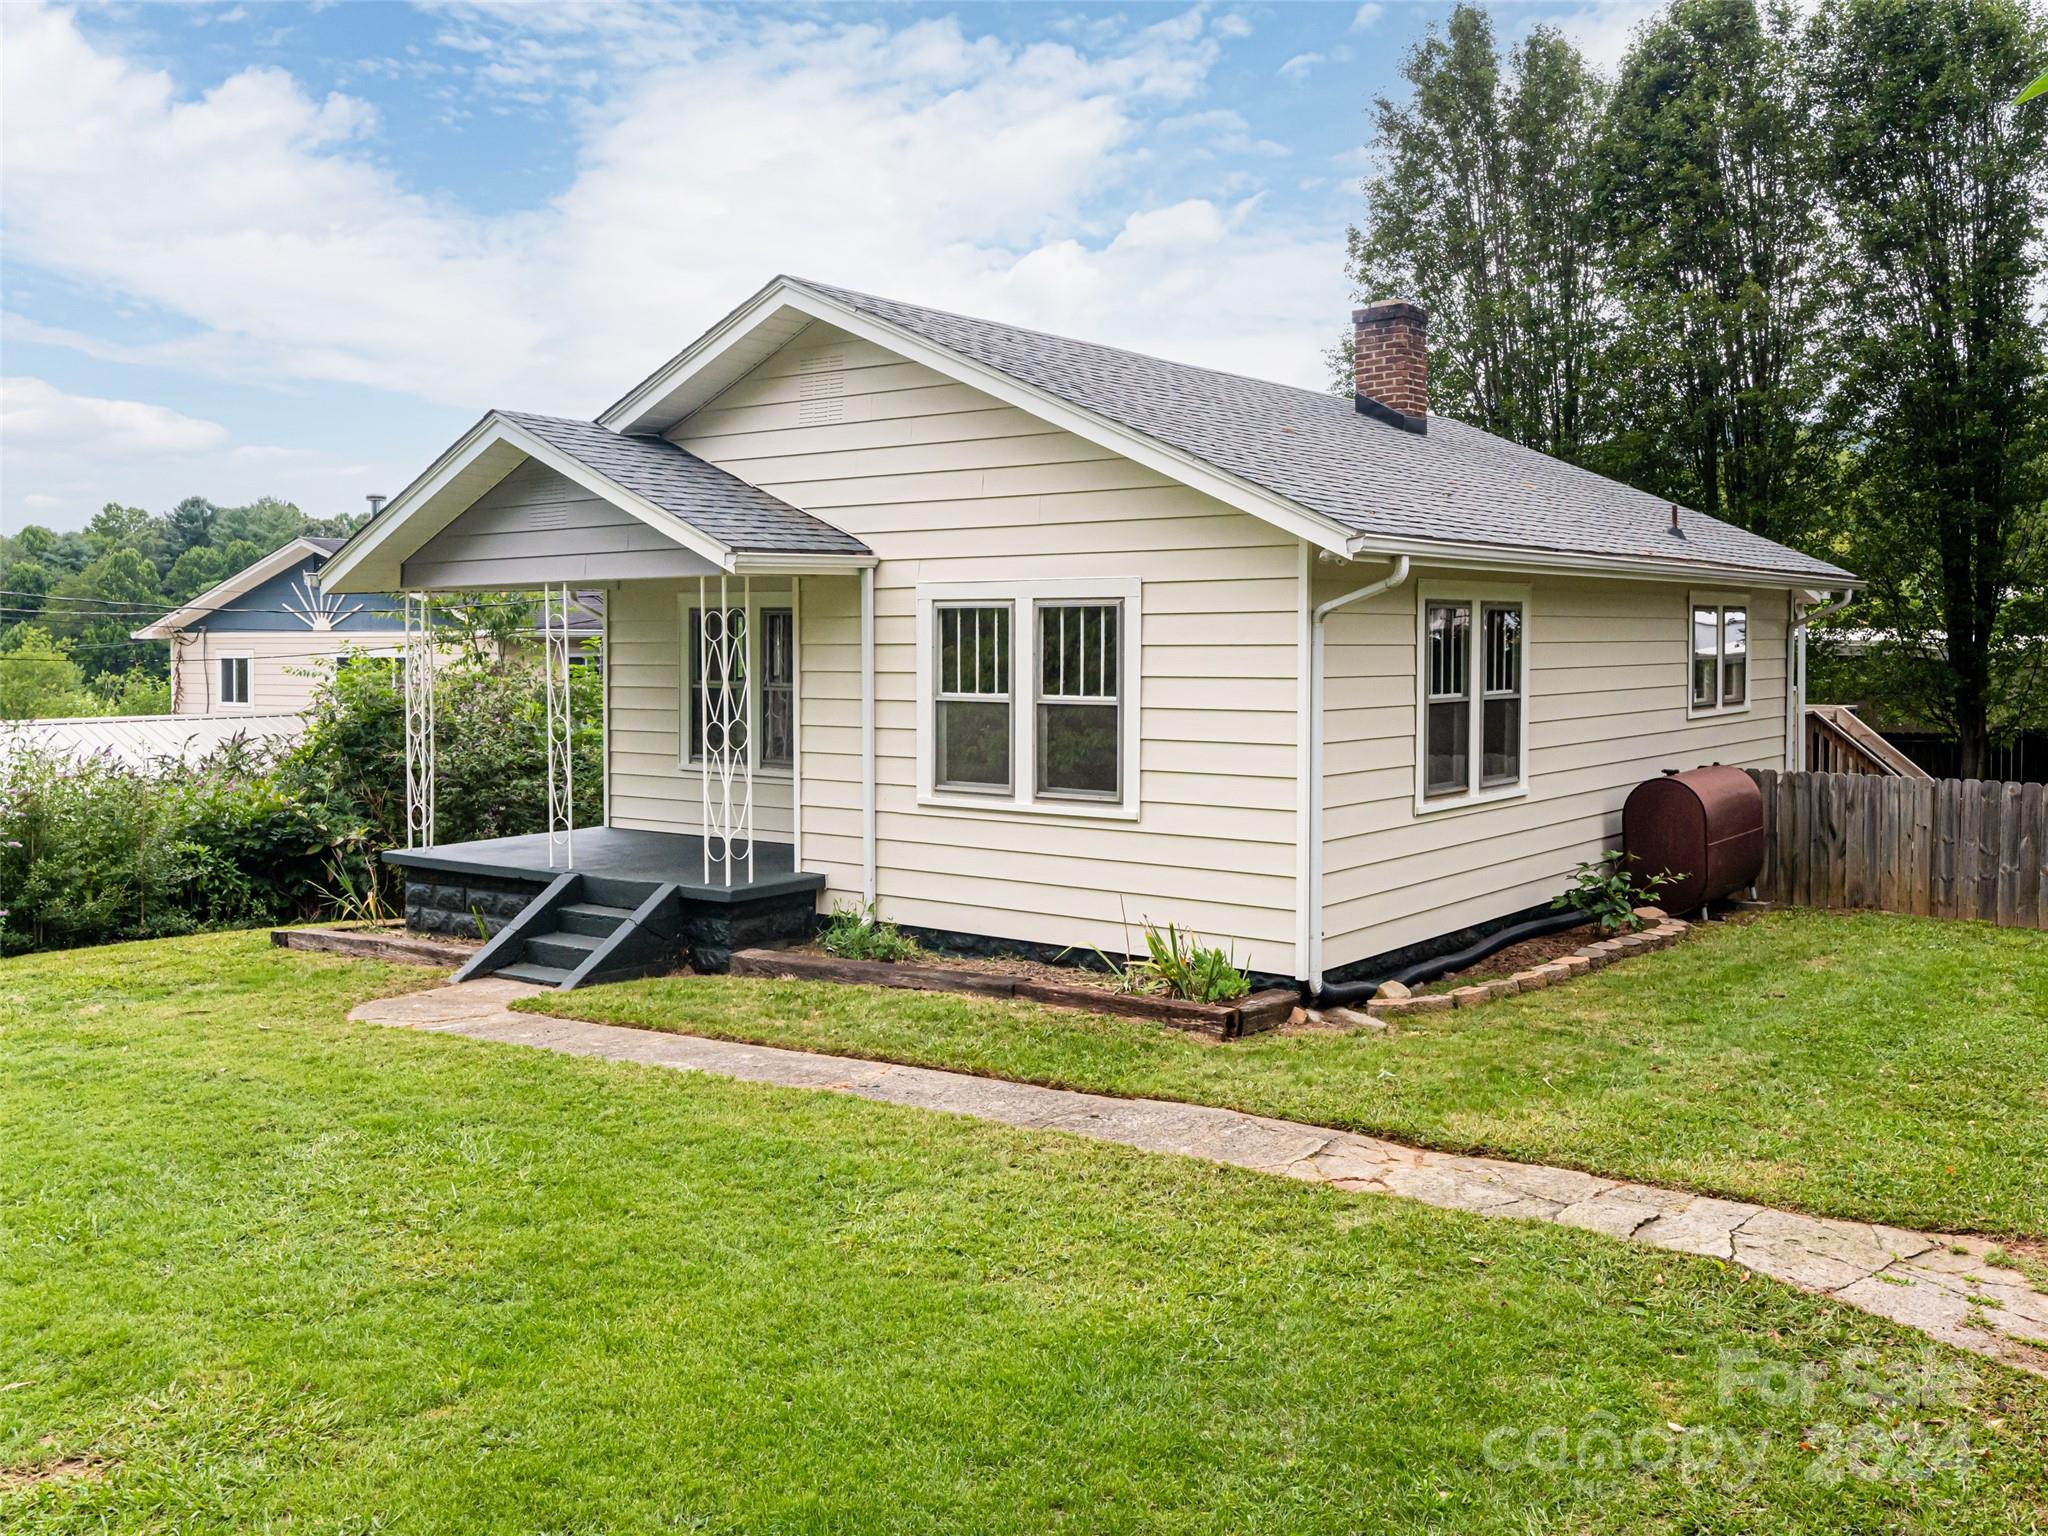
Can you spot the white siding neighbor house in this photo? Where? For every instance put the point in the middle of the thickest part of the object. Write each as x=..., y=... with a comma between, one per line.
x=1021, y=638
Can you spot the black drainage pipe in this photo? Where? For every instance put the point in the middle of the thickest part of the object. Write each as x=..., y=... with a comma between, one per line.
x=1349, y=994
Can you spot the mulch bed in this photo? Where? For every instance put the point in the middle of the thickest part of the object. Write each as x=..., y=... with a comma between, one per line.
x=1525, y=956
x=1058, y=986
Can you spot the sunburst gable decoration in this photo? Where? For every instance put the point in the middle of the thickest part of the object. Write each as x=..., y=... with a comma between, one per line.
x=318, y=611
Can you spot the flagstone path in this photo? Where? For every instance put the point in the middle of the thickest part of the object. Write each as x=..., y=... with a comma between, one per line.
x=1939, y=1284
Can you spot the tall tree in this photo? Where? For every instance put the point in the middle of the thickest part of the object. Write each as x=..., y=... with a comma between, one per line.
x=1713, y=246
x=1480, y=209
x=1936, y=179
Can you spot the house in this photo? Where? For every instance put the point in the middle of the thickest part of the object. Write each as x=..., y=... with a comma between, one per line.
x=259, y=641
x=1024, y=638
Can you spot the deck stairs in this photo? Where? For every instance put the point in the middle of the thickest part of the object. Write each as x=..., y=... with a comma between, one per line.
x=584, y=929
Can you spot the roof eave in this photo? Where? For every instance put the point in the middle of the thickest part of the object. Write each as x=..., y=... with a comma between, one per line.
x=229, y=587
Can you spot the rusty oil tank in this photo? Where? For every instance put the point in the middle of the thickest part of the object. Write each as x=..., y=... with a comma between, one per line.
x=1705, y=827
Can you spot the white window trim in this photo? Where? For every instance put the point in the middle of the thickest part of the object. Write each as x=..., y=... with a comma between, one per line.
x=1475, y=593
x=1695, y=710
x=773, y=773
x=1022, y=597
x=220, y=693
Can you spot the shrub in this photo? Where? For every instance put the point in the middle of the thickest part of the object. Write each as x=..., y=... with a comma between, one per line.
x=1604, y=889
x=855, y=933
x=1197, y=973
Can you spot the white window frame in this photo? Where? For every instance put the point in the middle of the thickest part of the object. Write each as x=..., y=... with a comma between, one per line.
x=1721, y=602
x=756, y=604
x=1479, y=595
x=248, y=661
x=1023, y=599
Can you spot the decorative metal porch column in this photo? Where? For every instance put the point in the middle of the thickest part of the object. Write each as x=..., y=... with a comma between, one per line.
x=418, y=664
x=725, y=728
x=554, y=628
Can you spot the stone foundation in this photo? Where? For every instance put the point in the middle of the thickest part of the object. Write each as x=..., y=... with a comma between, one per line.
x=454, y=905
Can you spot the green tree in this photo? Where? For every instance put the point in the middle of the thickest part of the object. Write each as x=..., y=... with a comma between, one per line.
x=1712, y=227
x=99, y=607
x=38, y=678
x=1936, y=181
x=1481, y=210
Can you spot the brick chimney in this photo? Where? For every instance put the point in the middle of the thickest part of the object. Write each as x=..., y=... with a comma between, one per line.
x=1390, y=363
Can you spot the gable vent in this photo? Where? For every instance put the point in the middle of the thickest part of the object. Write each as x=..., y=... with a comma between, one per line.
x=821, y=389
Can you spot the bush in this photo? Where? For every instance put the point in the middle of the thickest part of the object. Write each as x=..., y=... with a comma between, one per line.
x=93, y=850
x=1604, y=889
x=855, y=933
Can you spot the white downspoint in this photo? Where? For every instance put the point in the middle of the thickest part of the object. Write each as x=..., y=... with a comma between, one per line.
x=419, y=720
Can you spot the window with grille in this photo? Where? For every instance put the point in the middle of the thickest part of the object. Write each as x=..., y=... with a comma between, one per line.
x=1080, y=703
x=718, y=671
x=1720, y=656
x=234, y=680
x=1474, y=691
x=778, y=687
x=971, y=720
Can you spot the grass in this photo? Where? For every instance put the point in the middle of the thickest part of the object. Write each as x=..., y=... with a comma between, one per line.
x=1878, y=1068
x=263, y=1269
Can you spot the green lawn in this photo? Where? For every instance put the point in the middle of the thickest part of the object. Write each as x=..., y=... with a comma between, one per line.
x=261, y=1269
x=1881, y=1068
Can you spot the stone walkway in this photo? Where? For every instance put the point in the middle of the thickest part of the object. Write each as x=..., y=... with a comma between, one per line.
x=1939, y=1284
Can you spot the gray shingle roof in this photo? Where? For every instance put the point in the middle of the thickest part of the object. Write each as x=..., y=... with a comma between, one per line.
x=695, y=491
x=325, y=546
x=1456, y=483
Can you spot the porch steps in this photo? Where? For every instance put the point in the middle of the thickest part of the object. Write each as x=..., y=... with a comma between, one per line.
x=585, y=929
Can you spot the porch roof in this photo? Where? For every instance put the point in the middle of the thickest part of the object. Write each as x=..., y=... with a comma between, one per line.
x=710, y=512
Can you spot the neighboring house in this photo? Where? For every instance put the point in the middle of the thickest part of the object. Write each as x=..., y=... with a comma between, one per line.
x=1046, y=636
x=259, y=641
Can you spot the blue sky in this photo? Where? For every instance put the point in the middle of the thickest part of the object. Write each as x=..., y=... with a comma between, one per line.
x=296, y=249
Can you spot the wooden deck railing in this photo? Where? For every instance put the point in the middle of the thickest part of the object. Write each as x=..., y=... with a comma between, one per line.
x=1939, y=847
x=1838, y=742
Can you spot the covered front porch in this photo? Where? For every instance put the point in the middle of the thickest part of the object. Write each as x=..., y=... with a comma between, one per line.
x=698, y=850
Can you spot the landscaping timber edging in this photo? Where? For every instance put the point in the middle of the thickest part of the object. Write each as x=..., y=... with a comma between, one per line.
x=1225, y=1021
x=391, y=945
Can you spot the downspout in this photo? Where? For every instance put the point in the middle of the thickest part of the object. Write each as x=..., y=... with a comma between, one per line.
x=867, y=735
x=1795, y=687
x=1387, y=583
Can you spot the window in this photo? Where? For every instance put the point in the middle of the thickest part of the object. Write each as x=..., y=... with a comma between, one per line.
x=1473, y=730
x=715, y=672
x=778, y=686
x=762, y=652
x=1720, y=656
x=234, y=680
x=1028, y=695
x=971, y=721
x=1079, y=706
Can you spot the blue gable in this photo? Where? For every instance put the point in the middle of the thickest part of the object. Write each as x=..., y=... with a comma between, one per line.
x=277, y=603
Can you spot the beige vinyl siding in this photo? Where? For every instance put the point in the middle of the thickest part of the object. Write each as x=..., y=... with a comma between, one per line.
x=1607, y=693
x=537, y=526
x=652, y=790
x=948, y=485
x=285, y=667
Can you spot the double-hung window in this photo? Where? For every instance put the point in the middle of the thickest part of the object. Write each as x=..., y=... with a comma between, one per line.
x=1079, y=704
x=742, y=684
x=1028, y=695
x=1473, y=730
x=972, y=724
x=234, y=680
x=1720, y=655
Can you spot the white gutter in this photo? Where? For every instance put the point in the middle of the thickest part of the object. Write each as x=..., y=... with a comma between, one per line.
x=1494, y=557
x=1314, y=923
x=1795, y=685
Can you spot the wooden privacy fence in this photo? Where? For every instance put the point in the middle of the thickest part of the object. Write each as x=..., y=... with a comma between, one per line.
x=1939, y=847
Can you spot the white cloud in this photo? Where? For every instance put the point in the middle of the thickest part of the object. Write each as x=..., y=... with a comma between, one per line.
x=1297, y=68
x=1367, y=16
x=714, y=149
x=1601, y=32
x=37, y=415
